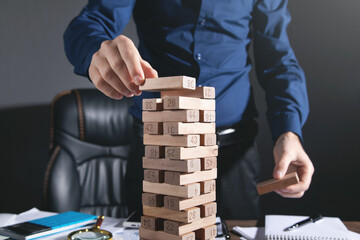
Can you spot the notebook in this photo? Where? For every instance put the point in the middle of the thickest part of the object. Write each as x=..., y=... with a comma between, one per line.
x=48, y=225
x=329, y=228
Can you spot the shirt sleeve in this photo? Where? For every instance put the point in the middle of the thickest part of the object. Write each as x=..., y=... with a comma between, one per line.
x=99, y=20
x=278, y=70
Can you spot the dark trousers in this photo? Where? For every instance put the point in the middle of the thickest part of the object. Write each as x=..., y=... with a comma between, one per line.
x=238, y=172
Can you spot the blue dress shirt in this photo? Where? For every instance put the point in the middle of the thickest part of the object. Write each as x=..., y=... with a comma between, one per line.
x=208, y=40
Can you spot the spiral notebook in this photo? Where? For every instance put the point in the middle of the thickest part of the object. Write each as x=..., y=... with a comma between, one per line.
x=329, y=228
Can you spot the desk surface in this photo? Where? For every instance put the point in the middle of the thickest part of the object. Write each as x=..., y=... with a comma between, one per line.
x=353, y=226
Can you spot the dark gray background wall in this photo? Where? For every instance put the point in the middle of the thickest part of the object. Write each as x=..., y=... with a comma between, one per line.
x=325, y=35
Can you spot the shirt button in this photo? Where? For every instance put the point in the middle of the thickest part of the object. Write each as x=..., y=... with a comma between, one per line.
x=202, y=22
x=198, y=56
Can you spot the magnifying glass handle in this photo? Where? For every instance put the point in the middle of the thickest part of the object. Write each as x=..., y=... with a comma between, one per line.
x=99, y=222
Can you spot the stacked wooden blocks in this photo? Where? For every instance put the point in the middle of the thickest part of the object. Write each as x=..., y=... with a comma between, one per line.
x=180, y=161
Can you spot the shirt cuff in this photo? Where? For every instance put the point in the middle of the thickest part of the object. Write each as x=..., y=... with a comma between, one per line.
x=285, y=122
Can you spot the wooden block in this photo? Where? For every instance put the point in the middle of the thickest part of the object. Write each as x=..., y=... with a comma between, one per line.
x=152, y=175
x=152, y=223
x=177, y=228
x=168, y=83
x=176, y=178
x=178, y=204
x=207, y=186
x=179, y=128
x=188, y=153
x=206, y=233
x=152, y=104
x=185, y=216
x=171, y=116
x=199, y=92
x=153, y=128
x=155, y=151
x=273, y=184
x=208, y=163
x=207, y=116
x=169, y=140
x=208, y=139
x=178, y=102
x=160, y=235
x=190, y=165
x=187, y=191
x=208, y=209
x=152, y=200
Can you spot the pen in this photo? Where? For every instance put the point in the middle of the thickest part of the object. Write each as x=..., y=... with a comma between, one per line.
x=225, y=230
x=303, y=222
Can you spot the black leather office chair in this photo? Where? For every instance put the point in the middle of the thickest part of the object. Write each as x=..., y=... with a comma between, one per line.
x=89, y=146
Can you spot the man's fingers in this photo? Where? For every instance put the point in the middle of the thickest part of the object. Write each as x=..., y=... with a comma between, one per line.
x=103, y=86
x=148, y=70
x=290, y=195
x=281, y=166
x=132, y=58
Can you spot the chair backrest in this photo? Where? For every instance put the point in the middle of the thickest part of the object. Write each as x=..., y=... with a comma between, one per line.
x=90, y=137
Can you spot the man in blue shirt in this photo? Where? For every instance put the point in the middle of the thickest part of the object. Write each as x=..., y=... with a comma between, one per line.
x=208, y=40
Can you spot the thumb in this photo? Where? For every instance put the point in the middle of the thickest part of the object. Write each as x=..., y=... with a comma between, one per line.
x=281, y=167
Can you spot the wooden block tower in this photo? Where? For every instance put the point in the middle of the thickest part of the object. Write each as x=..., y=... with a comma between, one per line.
x=180, y=162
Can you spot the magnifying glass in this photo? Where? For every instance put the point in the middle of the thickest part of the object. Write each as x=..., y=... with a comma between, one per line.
x=94, y=233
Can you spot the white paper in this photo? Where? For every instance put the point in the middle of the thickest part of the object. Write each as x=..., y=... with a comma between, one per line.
x=6, y=219
x=330, y=227
x=251, y=233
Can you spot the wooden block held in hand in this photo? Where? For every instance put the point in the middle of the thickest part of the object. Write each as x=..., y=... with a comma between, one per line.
x=188, y=153
x=152, y=200
x=208, y=139
x=208, y=209
x=273, y=184
x=208, y=163
x=152, y=223
x=177, y=228
x=207, y=116
x=207, y=186
x=199, y=92
x=153, y=128
x=153, y=175
x=152, y=104
x=155, y=151
x=169, y=140
x=171, y=116
x=206, y=233
x=187, y=191
x=178, y=102
x=160, y=235
x=186, y=216
x=176, y=203
x=176, y=178
x=179, y=128
x=168, y=83
x=189, y=165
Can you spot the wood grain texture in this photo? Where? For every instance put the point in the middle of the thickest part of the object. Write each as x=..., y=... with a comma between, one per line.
x=179, y=128
x=171, y=116
x=188, y=153
x=177, y=228
x=155, y=151
x=169, y=140
x=176, y=203
x=152, y=200
x=178, y=102
x=187, y=191
x=168, y=83
x=207, y=116
x=152, y=223
x=207, y=162
x=187, y=166
x=186, y=216
x=176, y=178
x=273, y=184
x=208, y=209
x=206, y=233
x=199, y=92
x=208, y=139
x=160, y=235
x=207, y=186
x=154, y=175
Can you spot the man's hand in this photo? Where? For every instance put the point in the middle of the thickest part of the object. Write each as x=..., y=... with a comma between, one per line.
x=117, y=69
x=290, y=156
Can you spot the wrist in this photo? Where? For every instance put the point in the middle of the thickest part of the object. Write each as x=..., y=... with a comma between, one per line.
x=288, y=136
